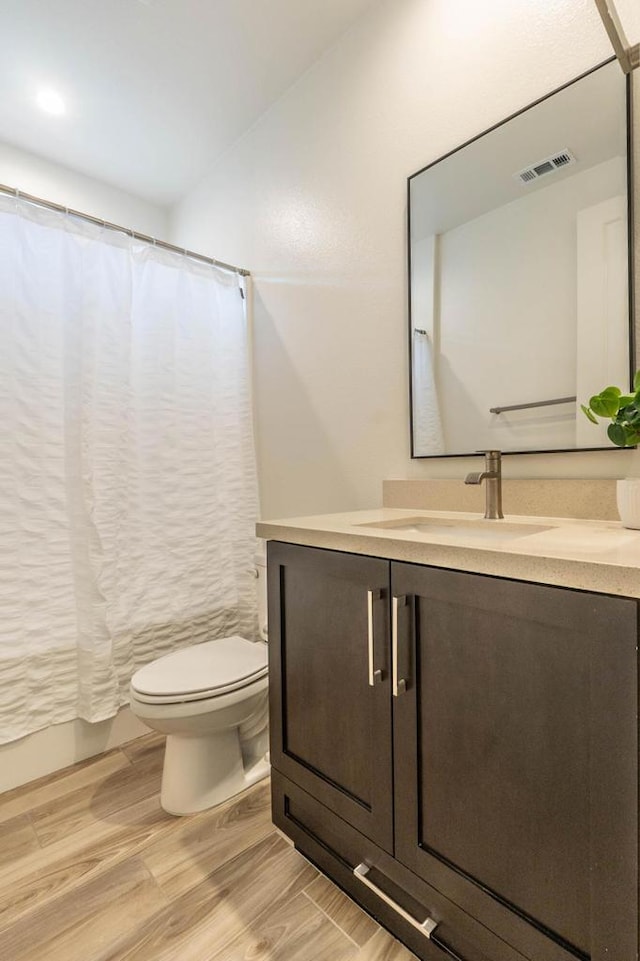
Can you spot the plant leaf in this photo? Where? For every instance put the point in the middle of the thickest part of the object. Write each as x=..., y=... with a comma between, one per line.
x=605, y=404
x=617, y=435
x=588, y=413
x=636, y=381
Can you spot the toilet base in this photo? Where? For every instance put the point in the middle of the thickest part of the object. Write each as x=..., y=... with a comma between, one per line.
x=201, y=772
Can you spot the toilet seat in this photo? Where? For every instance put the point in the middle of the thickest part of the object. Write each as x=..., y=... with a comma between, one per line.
x=202, y=671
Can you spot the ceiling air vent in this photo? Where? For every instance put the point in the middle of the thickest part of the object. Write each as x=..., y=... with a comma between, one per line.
x=564, y=158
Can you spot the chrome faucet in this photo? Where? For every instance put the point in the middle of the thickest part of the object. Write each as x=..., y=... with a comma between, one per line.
x=492, y=474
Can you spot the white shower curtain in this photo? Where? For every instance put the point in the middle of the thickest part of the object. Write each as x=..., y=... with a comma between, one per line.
x=127, y=474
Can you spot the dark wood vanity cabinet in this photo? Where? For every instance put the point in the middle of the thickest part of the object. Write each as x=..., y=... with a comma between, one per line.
x=328, y=623
x=487, y=778
x=516, y=757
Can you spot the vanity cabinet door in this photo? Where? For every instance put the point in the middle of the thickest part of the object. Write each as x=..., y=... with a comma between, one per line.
x=516, y=746
x=330, y=699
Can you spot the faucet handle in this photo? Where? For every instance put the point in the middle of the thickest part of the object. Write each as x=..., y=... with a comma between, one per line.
x=492, y=460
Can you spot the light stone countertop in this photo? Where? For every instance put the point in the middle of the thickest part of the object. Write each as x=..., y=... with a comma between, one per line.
x=599, y=556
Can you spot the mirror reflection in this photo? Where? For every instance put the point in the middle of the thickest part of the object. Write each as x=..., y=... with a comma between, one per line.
x=519, y=277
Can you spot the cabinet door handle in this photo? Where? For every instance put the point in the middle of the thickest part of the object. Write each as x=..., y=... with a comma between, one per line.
x=374, y=676
x=426, y=927
x=398, y=684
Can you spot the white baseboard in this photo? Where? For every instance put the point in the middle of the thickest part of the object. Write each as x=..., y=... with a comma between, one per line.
x=57, y=747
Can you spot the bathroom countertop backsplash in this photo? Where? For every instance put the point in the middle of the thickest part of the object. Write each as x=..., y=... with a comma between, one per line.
x=585, y=498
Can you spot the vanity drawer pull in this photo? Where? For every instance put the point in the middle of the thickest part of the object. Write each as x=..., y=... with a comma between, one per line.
x=426, y=927
x=374, y=676
x=398, y=684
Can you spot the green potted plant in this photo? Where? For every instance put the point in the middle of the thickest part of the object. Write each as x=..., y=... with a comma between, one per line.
x=623, y=410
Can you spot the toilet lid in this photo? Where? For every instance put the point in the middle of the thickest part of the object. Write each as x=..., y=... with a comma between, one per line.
x=203, y=670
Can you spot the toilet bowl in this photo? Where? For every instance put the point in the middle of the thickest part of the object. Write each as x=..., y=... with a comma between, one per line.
x=211, y=701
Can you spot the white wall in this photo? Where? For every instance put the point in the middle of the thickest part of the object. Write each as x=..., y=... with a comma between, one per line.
x=313, y=200
x=50, y=181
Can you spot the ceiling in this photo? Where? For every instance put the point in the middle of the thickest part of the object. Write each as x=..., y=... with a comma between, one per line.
x=155, y=90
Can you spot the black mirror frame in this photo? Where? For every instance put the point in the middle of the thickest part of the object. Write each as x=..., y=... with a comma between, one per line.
x=630, y=244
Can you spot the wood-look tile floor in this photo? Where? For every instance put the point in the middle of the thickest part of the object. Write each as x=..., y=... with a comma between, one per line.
x=92, y=869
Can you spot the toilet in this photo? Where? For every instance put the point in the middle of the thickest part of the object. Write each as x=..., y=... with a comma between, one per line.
x=211, y=701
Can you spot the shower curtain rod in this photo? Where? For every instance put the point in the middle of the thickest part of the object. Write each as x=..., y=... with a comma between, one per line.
x=145, y=238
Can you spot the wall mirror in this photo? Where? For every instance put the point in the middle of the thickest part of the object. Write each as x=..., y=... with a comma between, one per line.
x=520, y=279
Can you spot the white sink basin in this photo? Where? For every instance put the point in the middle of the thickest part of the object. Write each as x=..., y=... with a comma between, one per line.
x=487, y=531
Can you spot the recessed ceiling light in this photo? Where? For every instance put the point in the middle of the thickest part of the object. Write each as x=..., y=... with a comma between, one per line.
x=50, y=101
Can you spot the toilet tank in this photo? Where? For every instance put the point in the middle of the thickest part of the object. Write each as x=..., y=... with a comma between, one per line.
x=261, y=587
